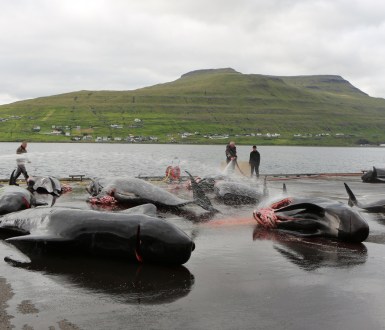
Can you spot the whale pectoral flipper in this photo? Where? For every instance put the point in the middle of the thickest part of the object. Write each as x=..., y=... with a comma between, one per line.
x=38, y=238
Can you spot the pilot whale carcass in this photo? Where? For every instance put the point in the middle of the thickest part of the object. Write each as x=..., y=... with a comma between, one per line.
x=314, y=217
x=14, y=198
x=238, y=193
x=134, y=191
x=377, y=175
x=133, y=234
x=45, y=184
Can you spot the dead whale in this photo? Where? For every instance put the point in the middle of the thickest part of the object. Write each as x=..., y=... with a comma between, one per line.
x=134, y=191
x=312, y=217
x=14, y=198
x=45, y=184
x=377, y=175
x=135, y=234
x=237, y=193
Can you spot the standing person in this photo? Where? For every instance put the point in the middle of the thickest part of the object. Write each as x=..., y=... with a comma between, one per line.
x=254, y=161
x=20, y=161
x=231, y=152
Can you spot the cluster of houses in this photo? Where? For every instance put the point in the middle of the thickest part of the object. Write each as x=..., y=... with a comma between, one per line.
x=215, y=136
x=129, y=139
x=320, y=135
x=226, y=136
x=66, y=130
x=9, y=118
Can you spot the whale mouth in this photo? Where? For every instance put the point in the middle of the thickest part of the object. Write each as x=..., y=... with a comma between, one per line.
x=267, y=216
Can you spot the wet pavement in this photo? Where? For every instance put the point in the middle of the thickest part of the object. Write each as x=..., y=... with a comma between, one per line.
x=238, y=277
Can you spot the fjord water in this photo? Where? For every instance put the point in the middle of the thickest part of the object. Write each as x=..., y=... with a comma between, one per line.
x=97, y=159
x=238, y=277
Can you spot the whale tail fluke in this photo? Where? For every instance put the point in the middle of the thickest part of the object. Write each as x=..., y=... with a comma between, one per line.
x=199, y=196
x=352, y=198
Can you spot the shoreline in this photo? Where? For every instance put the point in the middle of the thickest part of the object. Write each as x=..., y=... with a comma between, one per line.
x=223, y=142
x=183, y=178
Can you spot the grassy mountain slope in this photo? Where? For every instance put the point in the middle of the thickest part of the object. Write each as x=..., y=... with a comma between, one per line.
x=248, y=108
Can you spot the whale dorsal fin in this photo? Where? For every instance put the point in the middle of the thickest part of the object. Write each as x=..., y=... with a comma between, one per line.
x=352, y=198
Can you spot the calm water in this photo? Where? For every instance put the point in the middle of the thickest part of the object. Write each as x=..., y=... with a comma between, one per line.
x=151, y=160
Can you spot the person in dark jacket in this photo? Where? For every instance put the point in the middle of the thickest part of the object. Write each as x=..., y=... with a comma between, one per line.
x=254, y=161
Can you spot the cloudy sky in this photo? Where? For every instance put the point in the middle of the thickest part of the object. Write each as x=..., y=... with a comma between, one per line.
x=50, y=47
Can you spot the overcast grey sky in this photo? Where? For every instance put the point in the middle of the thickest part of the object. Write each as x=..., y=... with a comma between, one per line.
x=56, y=46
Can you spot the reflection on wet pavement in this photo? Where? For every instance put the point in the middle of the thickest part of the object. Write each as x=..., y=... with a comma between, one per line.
x=312, y=253
x=122, y=282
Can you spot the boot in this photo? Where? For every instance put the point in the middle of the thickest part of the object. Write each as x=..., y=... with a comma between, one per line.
x=12, y=181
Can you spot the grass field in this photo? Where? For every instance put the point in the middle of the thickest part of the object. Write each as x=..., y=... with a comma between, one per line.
x=206, y=106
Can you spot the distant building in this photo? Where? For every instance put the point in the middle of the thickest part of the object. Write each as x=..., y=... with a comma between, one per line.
x=56, y=132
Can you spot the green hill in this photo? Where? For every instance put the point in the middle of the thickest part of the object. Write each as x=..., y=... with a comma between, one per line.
x=206, y=106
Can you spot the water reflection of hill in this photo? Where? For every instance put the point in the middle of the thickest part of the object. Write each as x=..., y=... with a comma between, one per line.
x=123, y=282
x=313, y=253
